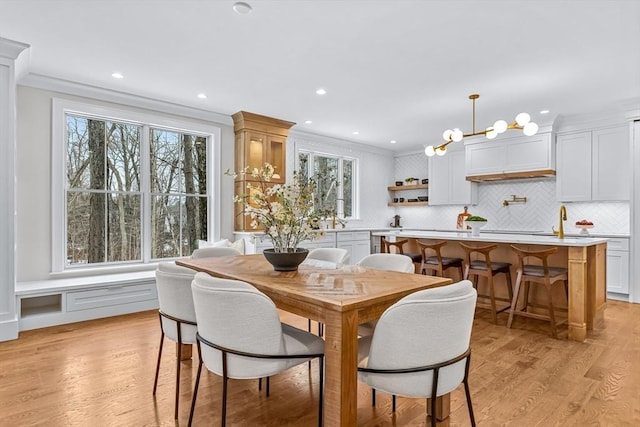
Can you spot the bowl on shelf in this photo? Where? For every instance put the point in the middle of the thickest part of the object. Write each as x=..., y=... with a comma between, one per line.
x=423, y=198
x=399, y=183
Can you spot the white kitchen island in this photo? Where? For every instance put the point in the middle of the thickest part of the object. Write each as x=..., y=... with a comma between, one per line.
x=584, y=257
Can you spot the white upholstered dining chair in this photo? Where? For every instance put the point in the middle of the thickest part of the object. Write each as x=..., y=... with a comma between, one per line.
x=240, y=336
x=325, y=258
x=177, y=314
x=214, y=252
x=420, y=347
x=388, y=262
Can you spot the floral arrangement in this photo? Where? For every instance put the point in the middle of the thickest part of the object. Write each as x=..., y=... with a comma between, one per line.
x=286, y=211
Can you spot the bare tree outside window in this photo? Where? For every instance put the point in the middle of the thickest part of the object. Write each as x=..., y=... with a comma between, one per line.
x=334, y=176
x=104, y=208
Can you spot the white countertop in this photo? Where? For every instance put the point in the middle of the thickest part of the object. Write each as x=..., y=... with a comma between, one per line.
x=532, y=239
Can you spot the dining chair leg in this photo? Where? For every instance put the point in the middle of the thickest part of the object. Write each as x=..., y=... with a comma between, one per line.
x=223, y=421
x=321, y=391
x=472, y=418
x=175, y=414
x=195, y=390
x=373, y=397
x=268, y=386
x=155, y=382
x=393, y=403
x=259, y=384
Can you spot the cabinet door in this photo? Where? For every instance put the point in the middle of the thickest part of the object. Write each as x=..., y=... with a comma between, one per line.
x=611, y=164
x=529, y=153
x=461, y=191
x=618, y=271
x=573, y=182
x=276, y=155
x=254, y=149
x=439, y=180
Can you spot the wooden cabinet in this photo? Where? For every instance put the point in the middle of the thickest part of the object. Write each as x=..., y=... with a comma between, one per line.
x=258, y=140
x=414, y=195
x=593, y=165
x=447, y=179
x=519, y=157
x=618, y=265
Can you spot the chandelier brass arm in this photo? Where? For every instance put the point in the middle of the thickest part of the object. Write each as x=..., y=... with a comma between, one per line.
x=522, y=122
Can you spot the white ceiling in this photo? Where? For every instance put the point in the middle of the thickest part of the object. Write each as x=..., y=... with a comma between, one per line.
x=398, y=70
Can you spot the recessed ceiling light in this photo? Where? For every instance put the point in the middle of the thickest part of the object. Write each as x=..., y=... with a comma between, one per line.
x=242, y=8
x=117, y=76
x=544, y=112
x=321, y=91
x=355, y=132
x=308, y=122
x=202, y=96
x=393, y=141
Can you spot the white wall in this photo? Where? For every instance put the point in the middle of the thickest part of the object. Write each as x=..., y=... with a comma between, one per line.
x=33, y=171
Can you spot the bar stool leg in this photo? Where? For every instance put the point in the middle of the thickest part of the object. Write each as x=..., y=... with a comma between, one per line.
x=552, y=318
x=514, y=301
x=509, y=284
x=492, y=297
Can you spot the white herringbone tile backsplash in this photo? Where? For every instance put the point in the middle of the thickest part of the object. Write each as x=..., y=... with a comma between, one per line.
x=539, y=213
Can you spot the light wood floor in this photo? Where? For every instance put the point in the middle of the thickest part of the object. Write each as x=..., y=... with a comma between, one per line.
x=100, y=373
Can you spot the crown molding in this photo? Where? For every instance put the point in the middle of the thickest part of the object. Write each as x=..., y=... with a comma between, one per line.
x=618, y=116
x=43, y=82
x=10, y=49
x=310, y=138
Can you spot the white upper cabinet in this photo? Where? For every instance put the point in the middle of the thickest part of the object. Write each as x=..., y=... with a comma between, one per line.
x=518, y=157
x=593, y=165
x=611, y=164
x=447, y=180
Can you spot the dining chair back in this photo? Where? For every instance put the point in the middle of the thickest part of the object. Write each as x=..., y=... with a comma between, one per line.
x=325, y=258
x=240, y=335
x=390, y=262
x=177, y=314
x=338, y=256
x=420, y=347
x=215, y=252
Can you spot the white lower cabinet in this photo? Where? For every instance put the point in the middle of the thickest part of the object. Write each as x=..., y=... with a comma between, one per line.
x=58, y=301
x=357, y=243
x=618, y=265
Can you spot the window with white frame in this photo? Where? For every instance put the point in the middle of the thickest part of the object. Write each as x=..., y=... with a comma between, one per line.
x=335, y=177
x=131, y=189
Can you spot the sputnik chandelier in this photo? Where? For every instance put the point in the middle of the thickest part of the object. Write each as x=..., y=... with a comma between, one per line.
x=522, y=121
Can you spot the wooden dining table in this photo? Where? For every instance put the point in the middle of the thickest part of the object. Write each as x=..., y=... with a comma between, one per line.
x=340, y=298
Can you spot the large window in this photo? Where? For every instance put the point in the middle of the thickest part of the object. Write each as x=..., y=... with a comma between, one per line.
x=132, y=191
x=335, y=178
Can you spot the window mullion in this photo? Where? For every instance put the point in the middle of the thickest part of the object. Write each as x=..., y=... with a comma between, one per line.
x=145, y=211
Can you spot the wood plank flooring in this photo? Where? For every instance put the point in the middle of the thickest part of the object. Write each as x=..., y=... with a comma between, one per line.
x=100, y=373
